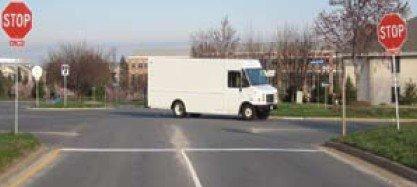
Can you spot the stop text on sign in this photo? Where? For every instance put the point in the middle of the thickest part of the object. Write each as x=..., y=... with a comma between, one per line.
x=392, y=31
x=17, y=20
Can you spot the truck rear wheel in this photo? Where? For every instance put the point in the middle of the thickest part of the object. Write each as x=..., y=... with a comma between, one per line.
x=247, y=112
x=178, y=109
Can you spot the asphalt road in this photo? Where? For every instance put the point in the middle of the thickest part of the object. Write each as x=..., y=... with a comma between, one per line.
x=139, y=147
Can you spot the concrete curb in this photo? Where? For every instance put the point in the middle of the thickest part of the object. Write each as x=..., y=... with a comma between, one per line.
x=66, y=109
x=18, y=165
x=385, y=163
x=28, y=167
x=339, y=119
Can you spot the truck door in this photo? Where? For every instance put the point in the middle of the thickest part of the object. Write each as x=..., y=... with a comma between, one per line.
x=235, y=92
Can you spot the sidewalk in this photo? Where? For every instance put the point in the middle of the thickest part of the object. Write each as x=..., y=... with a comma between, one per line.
x=340, y=119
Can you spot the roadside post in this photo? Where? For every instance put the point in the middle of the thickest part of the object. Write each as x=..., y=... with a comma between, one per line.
x=65, y=68
x=37, y=74
x=93, y=89
x=318, y=63
x=17, y=23
x=325, y=86
x=392, y=34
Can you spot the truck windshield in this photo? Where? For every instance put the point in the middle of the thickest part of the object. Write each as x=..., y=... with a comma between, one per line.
x=256, y=76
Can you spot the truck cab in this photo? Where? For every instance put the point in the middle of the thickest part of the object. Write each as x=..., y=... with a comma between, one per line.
x=251, y=90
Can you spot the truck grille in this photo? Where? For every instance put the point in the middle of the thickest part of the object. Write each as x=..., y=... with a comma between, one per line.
x=270, y=98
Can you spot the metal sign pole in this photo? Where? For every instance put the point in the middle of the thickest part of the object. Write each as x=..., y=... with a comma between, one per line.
x=325, y=97
x=37, y=94
x=65, y=91
x=344, y=122
x=396, y=90
x=16, y=102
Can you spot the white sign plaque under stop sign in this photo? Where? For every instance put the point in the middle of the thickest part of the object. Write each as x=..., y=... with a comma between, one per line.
x=65, y=70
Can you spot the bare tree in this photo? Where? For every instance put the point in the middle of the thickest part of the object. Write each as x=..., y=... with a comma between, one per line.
x=88, y=68
x=221, y=42
x=293, y=47
x=252, y=45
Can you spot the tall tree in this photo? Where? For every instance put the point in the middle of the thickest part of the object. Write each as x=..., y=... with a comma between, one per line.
x=124, y=73
x=294, y=47
x=218, y=42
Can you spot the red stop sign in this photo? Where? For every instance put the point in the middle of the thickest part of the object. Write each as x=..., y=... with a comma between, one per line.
x=392, y=32
x=16, y=21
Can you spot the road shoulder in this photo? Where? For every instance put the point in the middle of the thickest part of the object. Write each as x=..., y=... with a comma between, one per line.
x=28, y=167
x=368, y=168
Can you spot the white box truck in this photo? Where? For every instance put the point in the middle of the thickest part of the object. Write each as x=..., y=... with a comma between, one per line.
x=210, y=86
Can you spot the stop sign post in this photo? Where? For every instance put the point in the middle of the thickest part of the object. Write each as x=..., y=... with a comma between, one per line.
x=392, y=34
x=16, y=21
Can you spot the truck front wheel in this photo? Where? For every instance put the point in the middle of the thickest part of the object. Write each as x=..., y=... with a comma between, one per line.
x=247, y=112
x=178, y=109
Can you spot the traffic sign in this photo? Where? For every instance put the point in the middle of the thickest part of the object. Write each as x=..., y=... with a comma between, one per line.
x=37, y=72
x=65, y=70
x=320, y=61
x=17, y=22
x=392, y=32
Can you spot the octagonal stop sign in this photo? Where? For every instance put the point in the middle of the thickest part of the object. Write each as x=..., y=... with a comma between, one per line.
x=392, y=32
x=16, y=22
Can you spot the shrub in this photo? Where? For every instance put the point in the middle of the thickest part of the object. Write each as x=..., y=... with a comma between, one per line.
x=351, y=92
x=410, y=94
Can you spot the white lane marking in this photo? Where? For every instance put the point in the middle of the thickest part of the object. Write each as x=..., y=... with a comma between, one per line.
x=190, y=167
x=162, y=150
x=50, y=133
x=178, y=138
x=264, y=130
x=110, y=150
x=291, y=150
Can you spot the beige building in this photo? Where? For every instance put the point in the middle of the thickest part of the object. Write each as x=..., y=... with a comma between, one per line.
x=376, y=75
x=133, y=74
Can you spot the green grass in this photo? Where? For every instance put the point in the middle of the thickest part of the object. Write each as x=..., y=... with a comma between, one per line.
x=387, y=142
x=313, y=110
x=136, y=103
x=14, y=147
x=303, y=110
x=73, y=104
